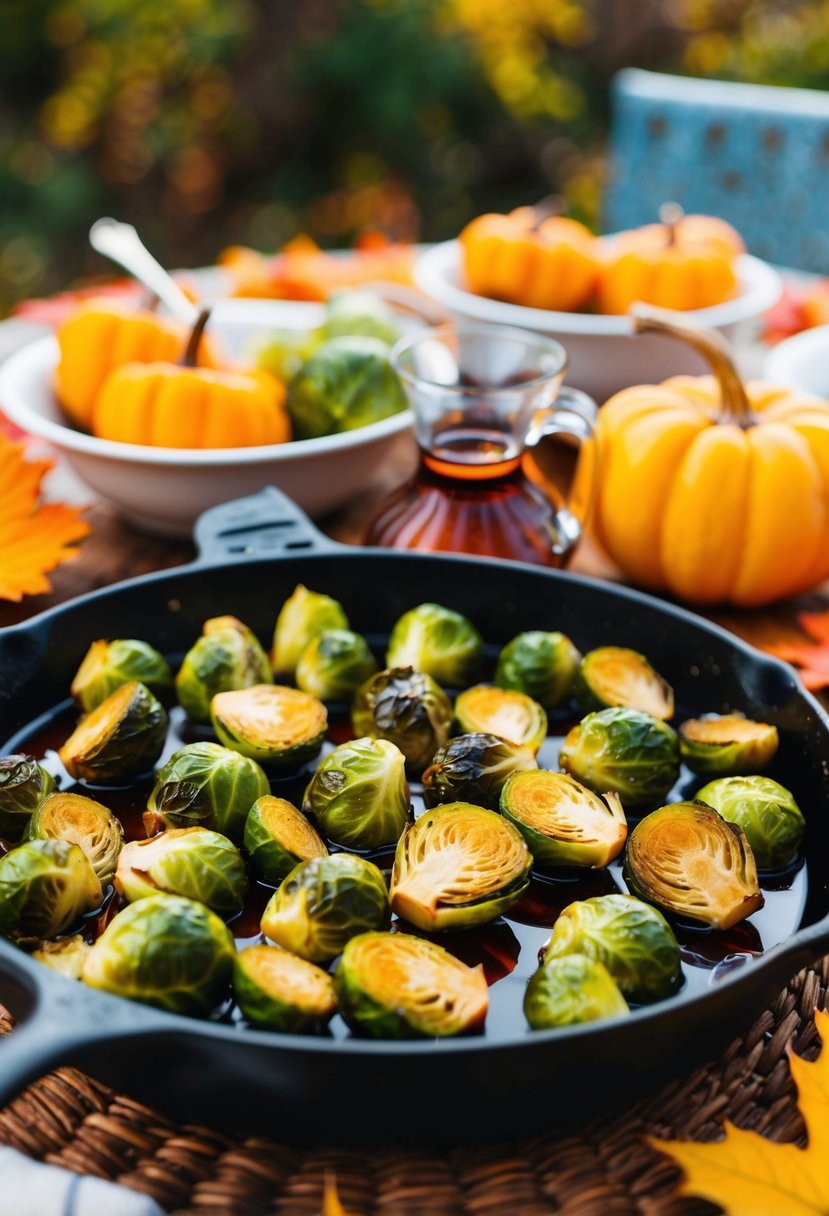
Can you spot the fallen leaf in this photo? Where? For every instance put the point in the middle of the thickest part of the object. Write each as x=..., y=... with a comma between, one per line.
x=331, y=1205
x=811, y=658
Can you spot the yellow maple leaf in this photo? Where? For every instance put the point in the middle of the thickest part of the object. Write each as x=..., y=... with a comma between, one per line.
x=331, y=1205
x=748, y=1175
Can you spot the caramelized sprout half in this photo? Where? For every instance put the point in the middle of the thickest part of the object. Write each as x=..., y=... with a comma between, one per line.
x=280, y=727
x=108, y=665
x=614, y=675
x=123, y=736
x=279, y=991
x=726, y=743
x=278, y=837
x=498, y=711
x=564, y=823
x=84, y=822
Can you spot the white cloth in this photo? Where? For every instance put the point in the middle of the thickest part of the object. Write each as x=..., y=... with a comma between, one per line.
x=29, y=1188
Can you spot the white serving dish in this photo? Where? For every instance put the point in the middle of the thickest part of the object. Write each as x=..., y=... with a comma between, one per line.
x=801, y=362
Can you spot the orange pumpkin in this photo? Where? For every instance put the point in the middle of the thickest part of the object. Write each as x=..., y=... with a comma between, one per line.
x=711, y=490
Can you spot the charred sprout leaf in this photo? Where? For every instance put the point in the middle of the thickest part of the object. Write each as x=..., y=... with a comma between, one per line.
x=227, y=656
x=45, y=887
x=767, y=813
x=563, y=823
x=84, y=822
x=192, y=862
x=625, y=751
x=688, y=861
x=205, y=785
x=358, y=794
x=407, y=708
x=347, y=383
x=614, y=675
x=572, y=989
x=542, y=665
x=123, y=736
x=458, y=866
x=108, y=665
x=279, y=991
x=498, y=711
x=359, y=313
x=23, y=786
x=334, y=665
x=278, y=837
x=473, y=768
x=303, y=617
x=726, y=743
x=396, y=986
x=66, y=956
x=436, y=640
x=280, y=727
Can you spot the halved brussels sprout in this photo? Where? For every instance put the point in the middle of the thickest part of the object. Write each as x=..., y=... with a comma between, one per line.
x=614, y=675
x=631, y=938
x=325, y=902
x=83, y=822
x=347, y=383
x=473, y=768
x=350, y=313
x=407, y=708
x=458, y=866
x=227, y=656
x=542, y=665
x=23, y=785
x=108, y=665
x=121, y=737
x=45, y=886
x=278, y=726
x=192, y=862
x=504, y=712
x=396, y=986
x=279, y=991
x=334, y=665
x=767, y=813
x=436, y=640
x=303, y=616
x=625, y=751
x=278, y=837
x=688, y=861
x=563, y=823
x=572, y=989
x=726, y=743
x=205, y=785
x=358, y=794
x=164, y=951
x=66, y=956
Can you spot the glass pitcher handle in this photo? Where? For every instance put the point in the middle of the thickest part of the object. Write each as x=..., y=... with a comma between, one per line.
x=572, y=413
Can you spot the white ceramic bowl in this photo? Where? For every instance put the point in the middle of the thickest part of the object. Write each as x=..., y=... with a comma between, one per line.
x=801, y=362
x=603, y=354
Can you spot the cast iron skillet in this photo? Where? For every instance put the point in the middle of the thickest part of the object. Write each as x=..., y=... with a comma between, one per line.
x=252, y=553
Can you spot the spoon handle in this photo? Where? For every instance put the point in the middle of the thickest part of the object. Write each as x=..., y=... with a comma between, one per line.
x=123, y=245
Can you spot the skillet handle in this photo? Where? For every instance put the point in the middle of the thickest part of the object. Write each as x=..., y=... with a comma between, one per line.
x=267, y=524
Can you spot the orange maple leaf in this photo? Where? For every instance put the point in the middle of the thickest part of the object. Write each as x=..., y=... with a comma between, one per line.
x=748, y=1175
x=811, y=657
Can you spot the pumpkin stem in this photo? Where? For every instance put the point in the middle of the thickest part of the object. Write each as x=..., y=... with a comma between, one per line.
x=670, y=214
x=191, y=352
x=547, y=207
x=735, y=406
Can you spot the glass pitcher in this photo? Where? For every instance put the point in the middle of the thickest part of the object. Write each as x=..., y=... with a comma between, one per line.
x=483, y=396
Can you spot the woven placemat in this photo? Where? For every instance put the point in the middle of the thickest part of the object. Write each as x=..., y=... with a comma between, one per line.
x=606, y=1169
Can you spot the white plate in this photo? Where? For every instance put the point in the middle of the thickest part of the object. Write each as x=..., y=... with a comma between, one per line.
x=801, y=362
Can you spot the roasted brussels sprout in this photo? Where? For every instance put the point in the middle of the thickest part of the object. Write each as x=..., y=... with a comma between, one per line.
x=334, y=665
x=473, y=768
x=563, y=823
x=726, y=743
x=688, y=861
x=358, y=794
x=66, y=956
x=542, y=665
x=614, y=675
x=205, y=785
x=500, y=711
x=396, y=986
x=632, y=939
x=407, y=708
x=165, y=951
x=347, y=383
x=108, y=665
x=193, y=862
x=84, y=822
x=303, y=616
x=121, y=737
x=767, y=813
x=279, y=991
x=458, y=866
x=625, y=751
x=572, y=989
x=436, y=640
x=45, y=886
x=325, y=902
x=359, y=313
x=278, y=726
x=23, y=785
x=227, y=656
x=284, y=351
x=278, y=837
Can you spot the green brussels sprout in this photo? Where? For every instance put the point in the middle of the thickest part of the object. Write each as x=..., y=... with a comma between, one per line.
x=121, y=737
x=504, y=712
x=192, y=862
x=615, y=676
x=227, y=656
x=334, y=665
x=768, y=814
x=625, y=751
x=358, y=795
x=279, y=726
x=324, y=902
x=278, y=837
x=397, y=986
x=437, y=641
x=280, y=991
x=347, y=383
x=473, y=768
x=458, y=866
x=205, y=785
x=66, y=956
x=108, y=665
x=632, y=939
x=360, y=313
x=303, y=616
x=284, y=351
x=688, y=861
x=563, y=823
x=45, y=887
x=84, y=822
x=542, y=665
x=23, y=785
x=572, y=989
x=165, y=951
x=407, y=708
x=726, y=743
